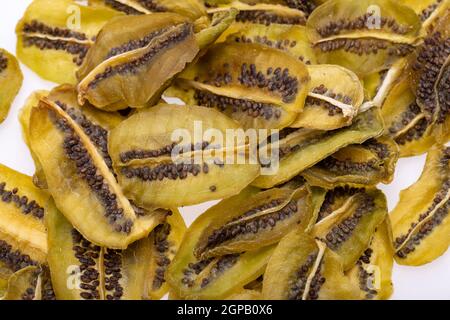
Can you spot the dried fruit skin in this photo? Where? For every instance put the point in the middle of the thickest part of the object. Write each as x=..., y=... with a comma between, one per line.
x=262, y=220
x=373, y=270
x=22, y=231
x=218, y=278
x=10, y=81
x=156, y=168
x=333, y=100
x=302, y=268
x=257, y=86
x=348, y=228
x=304, y=148
x=81, y=270
x=364, y=36
x=420, y=220
x=165, y=241
x=362, y=165
x=50, y=42
x=191, y=8
x=84, y=188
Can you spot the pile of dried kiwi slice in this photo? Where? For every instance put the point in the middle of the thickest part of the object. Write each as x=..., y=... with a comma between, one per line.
x=342, y=90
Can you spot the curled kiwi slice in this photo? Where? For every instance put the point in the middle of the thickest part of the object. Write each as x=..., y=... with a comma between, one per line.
x=54, y=43
x=10, y=81
x=82, y=185
x=30, y=283
x=347, y=225
x=190, y=8
x=420, y=221
x=162, y=162
x=260, y=87
x=81, y=270
x=429, y=11
x=289, y=38
x=165, y=241
x=356, y=165
x=302, y=268
x=261, y=220
x=364, y=36
x=300, y=149
x=214, y=278
x=373, y=270
x=333, y=100
x=22, y=232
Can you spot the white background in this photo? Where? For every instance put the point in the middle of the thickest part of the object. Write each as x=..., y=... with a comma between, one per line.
x=431, y=281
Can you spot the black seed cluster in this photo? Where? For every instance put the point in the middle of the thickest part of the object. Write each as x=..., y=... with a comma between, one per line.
x=163, y=151
x=162, y=246
x=251, y=108
x=343, y=167
x=267, y=18
x=331, y=198
x=323, y=90
x=122, y=7
x=87, y=170
x=425, y=230
x=78, y=50
x=429, y=63
x=152, y=5
x=284, y=45
x=437, y=199
x=170, y=171
x=235, y=228
x=411, y=112
x=381, y=150
x=343, y=230
x=365, y=277
x=40, y=28
x=47, y=287
x=14, y=259
x=87, y=255
x=131, y=66
x=223, y=264
x=135, y=44
x=306, y=6
x=30, y=293
x=359, y=23
x=275, y=80
x=443, y=96
x=298, y=283
x=332, y=109
x=194, y=269
x=21, y=202
x=428, y=11
x=316, y=283
x=97, y=134
x=414, y=133
x=365, y=46
x=113, y=274
x=3, y=62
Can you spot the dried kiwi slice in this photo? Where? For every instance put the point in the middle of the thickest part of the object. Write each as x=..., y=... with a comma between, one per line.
x=22, y=232
x=300, y=149
x=364, y=36
x=30, y=283
x=10, y=81
x=54, y=43
x=289, y=38
x=420, y=221
x=165, y=241
x=428, y=10
x=262, y=12
x=190, y=8
x=347, y=225
x=214, y=278
x=357, y=165
x=160, y=162
x=333, y=100
x=405, y=121
x=260, y=87
x=373, y=270
x=81, y=270
x=78, y=177
x=261, y=220
x=302, y=268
